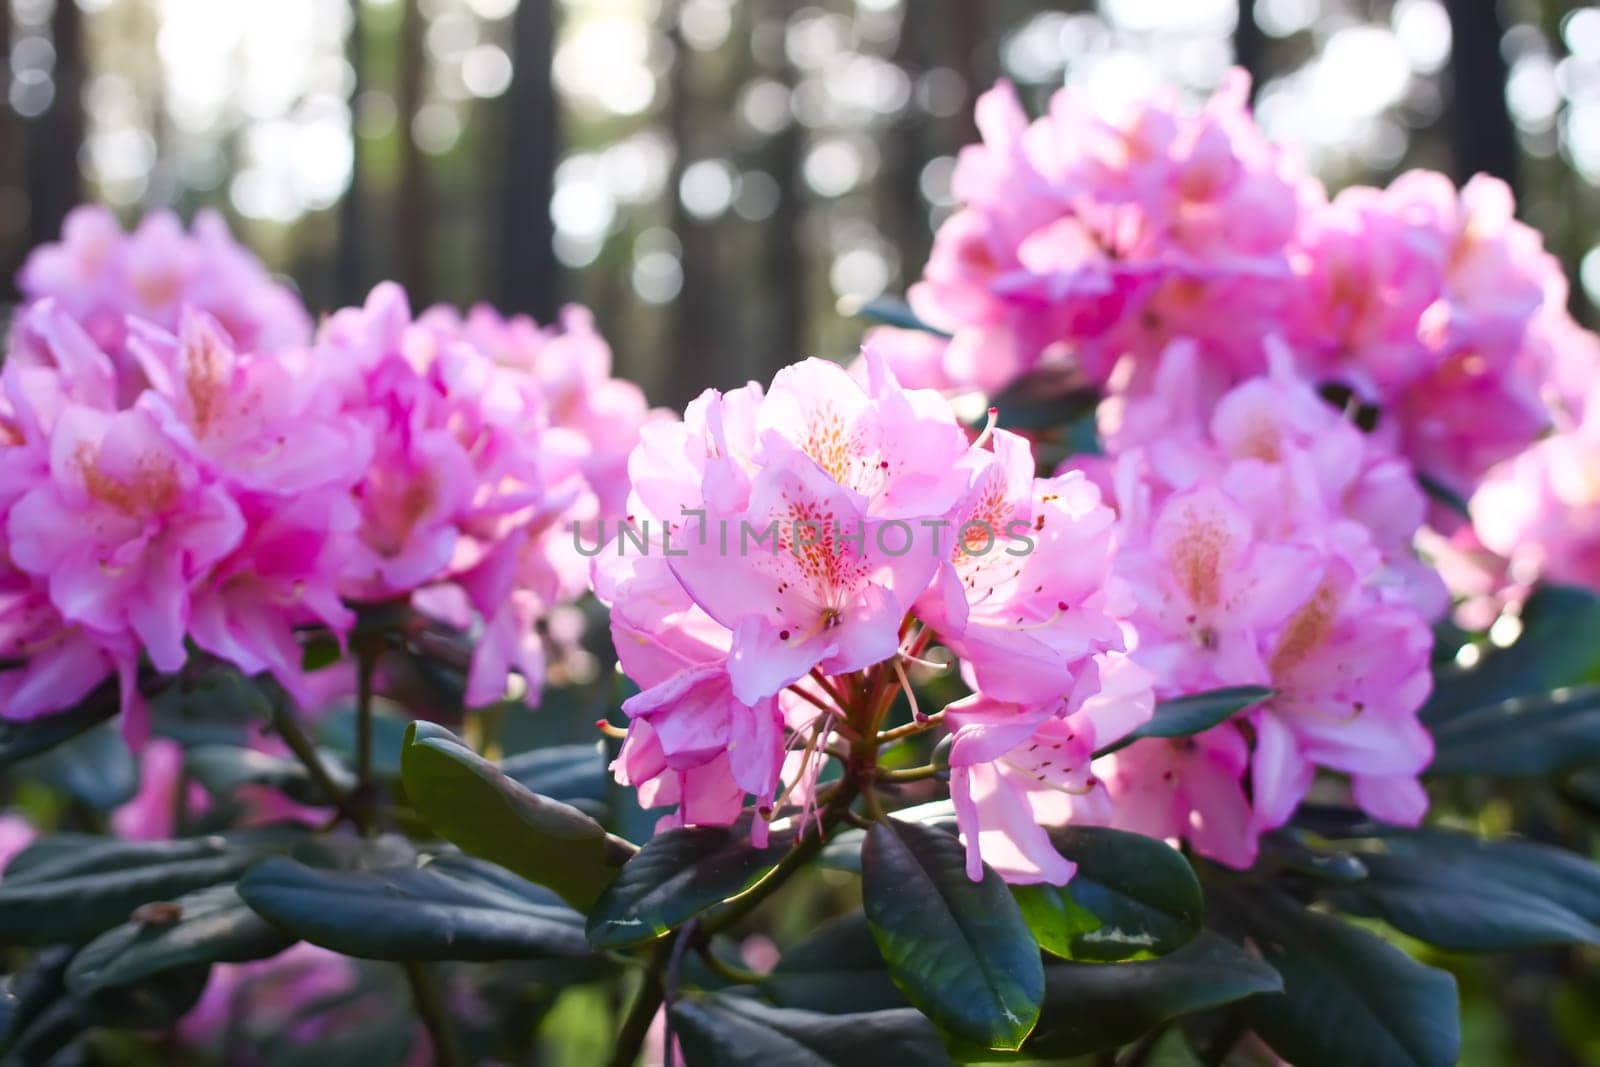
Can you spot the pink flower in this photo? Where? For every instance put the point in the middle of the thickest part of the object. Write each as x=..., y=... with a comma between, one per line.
x=1015, y=770
x=1270, y=544
x=16, y=834
x=123, y=527
x=152, y=815
x=101, y=276
x=1085, y=239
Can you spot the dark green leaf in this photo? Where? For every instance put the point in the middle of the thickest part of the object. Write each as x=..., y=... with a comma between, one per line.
x=959, y=949
x=676, y=876
x=896, y=313
x=1189, y=715
x=1348, y=996
x=1443, y=494
x=837, y=970
x=94, y=767
x=1047, y=398
x=1460, y=892
x=1091, y=1007
x=443, y=911
x=725, y=1031
x=567, y=773
x=1556, y=649
x=19, y=740
x=1524, y=737
x=1131, y=895
x=62, y=891
x=221, y=769
x=208, y=926
x=469, y=801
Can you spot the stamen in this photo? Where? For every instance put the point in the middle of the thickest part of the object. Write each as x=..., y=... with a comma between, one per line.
x=905, y=683
x=988, y=428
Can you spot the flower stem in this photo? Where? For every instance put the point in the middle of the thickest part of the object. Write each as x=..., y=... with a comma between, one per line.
x=288, y=728
x=909, y=774
x=435, y=1015
x=646, y=1002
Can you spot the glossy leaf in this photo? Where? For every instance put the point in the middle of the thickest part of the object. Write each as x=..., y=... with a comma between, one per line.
x=74, y=888
x=567, y=773
x=472, y=803
x=676, y=876
x=442, y=911
x=95, y=767
x=725, y=1031
x=208, y=926
x=1524, y=737
x=1556, y=649
x=1459, y=892
x=889, y=312
x=1189, y=715
x=838, y=970
x=19, y=740
x=958, y=949
x=1348, y=995
x=1131, y=895
x=1091, y=1007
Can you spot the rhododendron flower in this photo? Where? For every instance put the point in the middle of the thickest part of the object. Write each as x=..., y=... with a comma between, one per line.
x=102, y=276
x=1084, y=238
x=792, y=546
x=1269, y=544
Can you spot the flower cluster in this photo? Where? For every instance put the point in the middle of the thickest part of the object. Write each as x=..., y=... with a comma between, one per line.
x=237, y=498
x=792, y=551
x=1094, y=244
x=103, y=278
x=1267, y=542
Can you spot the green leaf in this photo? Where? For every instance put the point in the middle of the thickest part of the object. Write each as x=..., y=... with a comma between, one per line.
x=1524, y=737
x=94, y=767
x=19, y=740
x=567, y=773
x=959, y=949
x=470, y=802
x=837, y=970
x=1459, y=892
x=1046, y=398
x=1556, y=649
x=897, y=313
x=70, y=889
x=676, y=876
x=1131, y=895
x=443, y=911
x=1189, y=715
x=208, y=926
x=1091, y=1007
x=725, y=1031
x=1443, y=494
x=1348, y=995
x=222, y=769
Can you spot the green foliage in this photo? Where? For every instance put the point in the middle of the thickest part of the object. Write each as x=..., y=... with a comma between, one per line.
x=445, y=910
x=473, y=804
x=676, y=876
x=960, y=950
x=1186, y=716
x=1131, y=896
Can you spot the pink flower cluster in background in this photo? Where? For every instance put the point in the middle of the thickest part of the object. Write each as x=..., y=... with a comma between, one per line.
x=1091, y=243
x=1268, y=542
x=165, y=483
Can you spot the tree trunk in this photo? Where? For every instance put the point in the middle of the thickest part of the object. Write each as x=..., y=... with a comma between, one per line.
x=412, y=217
x=55, y=137
x=530, y=133
x=351, y=282
x=1480, y=122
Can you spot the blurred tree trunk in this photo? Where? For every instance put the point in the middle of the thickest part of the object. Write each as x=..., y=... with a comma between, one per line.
x=351, y=280
x=530, y=134
x=411, y=207
x=1250, y=46
x=900, y=206
x=55, y=137
x=786, y=270
x=12, y=200
x=697, y=360
x=1480, y=121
